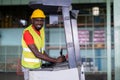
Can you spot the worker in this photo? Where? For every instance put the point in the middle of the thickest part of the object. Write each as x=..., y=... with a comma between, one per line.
x=33, y=44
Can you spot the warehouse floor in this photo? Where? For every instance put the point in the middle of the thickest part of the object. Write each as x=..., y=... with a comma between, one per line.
x=14, y=76
x=10, y=76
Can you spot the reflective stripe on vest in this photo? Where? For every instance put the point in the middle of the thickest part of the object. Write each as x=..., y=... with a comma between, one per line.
x=32, y=60
x=28, y=50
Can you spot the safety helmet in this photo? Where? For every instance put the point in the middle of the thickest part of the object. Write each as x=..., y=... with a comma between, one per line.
x=38, y=13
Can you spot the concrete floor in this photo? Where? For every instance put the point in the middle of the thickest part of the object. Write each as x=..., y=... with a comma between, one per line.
x=10, y=76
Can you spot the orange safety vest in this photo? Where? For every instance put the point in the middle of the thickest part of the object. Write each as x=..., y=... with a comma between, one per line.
x=28, y=58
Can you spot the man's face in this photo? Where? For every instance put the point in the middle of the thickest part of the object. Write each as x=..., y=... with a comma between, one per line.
x=38, y=23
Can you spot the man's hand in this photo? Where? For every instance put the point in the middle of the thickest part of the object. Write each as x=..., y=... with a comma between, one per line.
x=61, y=59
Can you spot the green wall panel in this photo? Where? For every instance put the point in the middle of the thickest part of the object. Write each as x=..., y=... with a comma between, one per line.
x=6, y=2
x=89, y=1
x=75, y=1
x=25, y=1
x=84, y=1
x=93, y=1
x=0, y=2
x=15, y=2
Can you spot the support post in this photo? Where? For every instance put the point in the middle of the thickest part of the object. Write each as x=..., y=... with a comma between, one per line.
x=69, y=37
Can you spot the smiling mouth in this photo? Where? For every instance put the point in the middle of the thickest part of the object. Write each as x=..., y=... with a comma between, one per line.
x=39, y=26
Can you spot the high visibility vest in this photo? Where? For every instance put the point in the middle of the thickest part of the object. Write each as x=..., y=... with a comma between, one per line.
x=28, y=58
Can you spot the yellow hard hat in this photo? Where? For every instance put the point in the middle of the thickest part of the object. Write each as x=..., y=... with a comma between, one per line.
x=38, y=13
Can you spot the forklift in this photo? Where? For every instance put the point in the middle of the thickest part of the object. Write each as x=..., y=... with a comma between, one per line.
x=73, y=68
